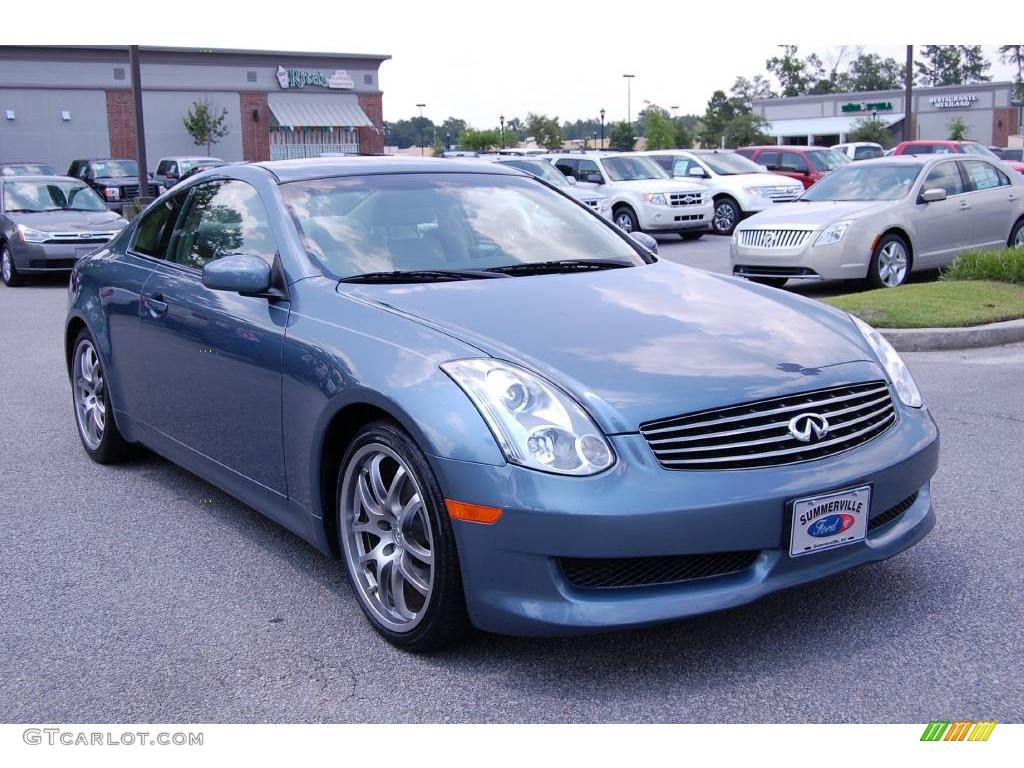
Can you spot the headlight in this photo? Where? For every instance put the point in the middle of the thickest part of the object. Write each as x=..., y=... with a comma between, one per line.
x=894, y=366
x=112, y=193
x=834, y=233
x=536, y=425
x=656, y=199
x=603, y=205
x=762, y=191
x=30, y=235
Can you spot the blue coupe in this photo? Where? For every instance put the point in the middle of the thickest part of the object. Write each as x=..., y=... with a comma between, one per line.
x=494, y=406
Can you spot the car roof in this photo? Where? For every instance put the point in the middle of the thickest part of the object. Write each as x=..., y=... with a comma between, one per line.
x=323, y=167
x=40, y=177
x=25, y=162
x=789, y=147
x=190, y=157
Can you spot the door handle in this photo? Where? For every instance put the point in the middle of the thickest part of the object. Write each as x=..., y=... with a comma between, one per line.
x=1012, y=197
x=155, y=304
x=964, y=205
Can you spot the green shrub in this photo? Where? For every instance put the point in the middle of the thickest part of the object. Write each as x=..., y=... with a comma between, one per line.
x=1005, y=266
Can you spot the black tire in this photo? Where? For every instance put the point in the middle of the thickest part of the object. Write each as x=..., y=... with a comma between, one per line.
x=771, y=282
x=884, y=271
x=691, y=235
x=726, y=217
x=444, y=619
x=8, y=269
x=625, y=218
x=111, y=448
x=1016, y=239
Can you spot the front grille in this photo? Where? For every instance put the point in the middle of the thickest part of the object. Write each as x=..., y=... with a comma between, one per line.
x=761, y=271
x=782, y=194
x=892, y=513
x=129, y=191
x=773, y=239
x=686, y=198
x=757, y=434
x=605, y=573
x=689, y=217
x=591, y=203
x=76, y=238
x=51, y=263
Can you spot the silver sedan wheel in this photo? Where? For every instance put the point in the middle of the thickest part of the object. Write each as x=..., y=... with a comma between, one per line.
x=389, y=547
x=624, y=221
x=1018, y=241
x=892, y=264
x=5, y=258
x=89, y=388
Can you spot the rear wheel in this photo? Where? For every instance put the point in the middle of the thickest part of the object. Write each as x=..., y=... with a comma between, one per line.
x=397, y=541
x=890, y=263
x=727, y=216
x=8, y=271
x=94, y=415
x=771, y=282
x=1017, y=235
x=626, y=219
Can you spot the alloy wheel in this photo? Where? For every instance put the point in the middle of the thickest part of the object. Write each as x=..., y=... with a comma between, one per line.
x=1018, y=241
x=89, y=390
x=892, y=264
x=725, y=217
x=5, y=264
x=389, y=546
x=624, y=221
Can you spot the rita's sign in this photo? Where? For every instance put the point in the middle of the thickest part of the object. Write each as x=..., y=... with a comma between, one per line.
x=302, y=78
x=871, y=106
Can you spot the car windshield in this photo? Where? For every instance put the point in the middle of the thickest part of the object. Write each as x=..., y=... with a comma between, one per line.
x=826, y=159
x=632, y=169
x=356, y=225
x=27, y=169
x=540, y=169
x=865, y=182
x=56, y=195
x=977, y=149
x=114, y=169
x=729, y=163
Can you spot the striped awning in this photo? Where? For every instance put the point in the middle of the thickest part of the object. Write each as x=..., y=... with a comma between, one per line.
x=317, y=110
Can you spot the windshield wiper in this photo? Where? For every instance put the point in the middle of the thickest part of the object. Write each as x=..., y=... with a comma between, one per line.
x=561, y=265
x=420, y=276
x=27, y=210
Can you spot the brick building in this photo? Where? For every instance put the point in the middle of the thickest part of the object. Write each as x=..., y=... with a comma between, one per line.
x=58, y=103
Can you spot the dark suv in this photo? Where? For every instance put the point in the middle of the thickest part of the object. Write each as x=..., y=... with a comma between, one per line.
x=115, y=180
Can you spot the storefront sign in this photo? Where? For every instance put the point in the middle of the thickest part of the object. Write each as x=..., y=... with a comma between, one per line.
x=871, y=106
x=301, y=78
x=952, y=102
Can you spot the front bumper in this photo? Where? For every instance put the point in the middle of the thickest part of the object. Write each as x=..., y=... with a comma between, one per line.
x=846, y=260
x=511, y=570
x=42, y=258
x=682, y=218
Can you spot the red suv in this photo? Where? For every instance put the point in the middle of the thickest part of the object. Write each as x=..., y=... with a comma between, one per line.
x=805, y=164
x=952, y=148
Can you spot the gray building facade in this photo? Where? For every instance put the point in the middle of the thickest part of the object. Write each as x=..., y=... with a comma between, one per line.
x=987, y=110
x=60, y=103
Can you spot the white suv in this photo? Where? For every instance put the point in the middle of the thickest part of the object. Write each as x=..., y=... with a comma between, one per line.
x=738, y=186
x=642, y=196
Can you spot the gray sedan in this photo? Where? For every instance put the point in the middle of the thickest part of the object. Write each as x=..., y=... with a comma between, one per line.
x=883, y=219
x=47, y=223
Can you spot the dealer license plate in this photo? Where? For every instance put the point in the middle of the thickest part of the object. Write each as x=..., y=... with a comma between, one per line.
x=830, y=520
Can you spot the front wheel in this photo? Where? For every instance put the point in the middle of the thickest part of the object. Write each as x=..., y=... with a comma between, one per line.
x=397, y=541
x=626, y=219
x=890, y=263
x=1017, y=235
x=8, y=271
x=727, y=216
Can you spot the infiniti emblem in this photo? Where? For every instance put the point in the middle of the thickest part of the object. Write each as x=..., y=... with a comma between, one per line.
x=808, y=427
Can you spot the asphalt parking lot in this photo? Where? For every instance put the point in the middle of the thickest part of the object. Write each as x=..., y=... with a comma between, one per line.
x=141, y=593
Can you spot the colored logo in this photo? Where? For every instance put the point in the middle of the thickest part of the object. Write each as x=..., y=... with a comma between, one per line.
x=958, y=730
x=808, y=427
x=830, y=526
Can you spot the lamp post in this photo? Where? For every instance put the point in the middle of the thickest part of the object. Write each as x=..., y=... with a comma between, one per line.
x=447, y=141
x=421, y=106
x=595, y=140
x=629, y=106
x=602, y=127
x=501, y=120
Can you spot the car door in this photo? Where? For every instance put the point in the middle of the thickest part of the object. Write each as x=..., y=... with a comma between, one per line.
x=942, y=229
x=212, y=359
x=794, y=165
x=994, y=202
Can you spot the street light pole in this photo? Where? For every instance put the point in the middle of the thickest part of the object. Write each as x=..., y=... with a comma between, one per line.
x=140, y=130
x=501, y=119
x=602, y=127
x=421, y=106
x=908, y=98
x=629, y=107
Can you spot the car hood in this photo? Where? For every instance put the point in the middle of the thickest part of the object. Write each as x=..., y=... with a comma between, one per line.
x=585, y=194
x=814, y=215
x=69, y=221
x=655, y=186
x=760, y=180
x=643, y=343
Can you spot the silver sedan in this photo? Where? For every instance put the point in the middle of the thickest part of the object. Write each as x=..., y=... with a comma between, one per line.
x=883, y=219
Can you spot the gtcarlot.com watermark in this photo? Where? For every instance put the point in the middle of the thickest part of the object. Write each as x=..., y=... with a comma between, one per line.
x=72, y=738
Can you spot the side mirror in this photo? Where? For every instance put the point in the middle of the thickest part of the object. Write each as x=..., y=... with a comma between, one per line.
x=571, y=180
x=697, y=172
x=934, y=195
x=645, y=240
x=240, y=274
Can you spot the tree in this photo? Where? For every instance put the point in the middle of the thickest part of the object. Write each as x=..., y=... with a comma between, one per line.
x=545, y=130
x=479, y=141
x=790, y=70
x=871, y=129
x=684, y=136
x=744, y=130
x=957, y=129
x=870, y=72
x=720, y=111
x=204, y=125
x=747, y=91
x=659, y=132
x=620, y=136
x=1014, y=54
x=453, y=127
x=952, y=65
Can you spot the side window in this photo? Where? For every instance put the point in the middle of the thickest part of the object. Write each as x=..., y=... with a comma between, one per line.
x=681, y=167
x=161, y=167
x=665, y=161
x=919, y=149
x=769, y=159
x=568, y=167
x=945, y=176
x=222, y=218
x=155, y=228
x=866, y=153
x=587, y=167
x=791, y=161
x=984, y=176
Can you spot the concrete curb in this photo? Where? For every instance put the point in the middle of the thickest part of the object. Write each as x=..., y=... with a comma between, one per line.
x=933, y=339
